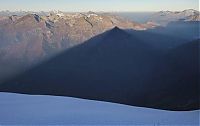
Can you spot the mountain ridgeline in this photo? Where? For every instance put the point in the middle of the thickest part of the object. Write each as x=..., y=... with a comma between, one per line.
x=29, y=38
x=165, y=17
x=119, y=66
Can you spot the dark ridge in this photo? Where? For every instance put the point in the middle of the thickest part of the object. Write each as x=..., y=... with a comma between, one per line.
x=88, y=21
x=37, y=17
x=12, y=18
x=49, y=24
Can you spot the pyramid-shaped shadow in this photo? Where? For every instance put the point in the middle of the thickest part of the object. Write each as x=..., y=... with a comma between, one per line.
x=114, y=66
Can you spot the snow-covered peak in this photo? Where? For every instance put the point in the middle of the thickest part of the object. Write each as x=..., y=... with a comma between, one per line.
x=89, y=15
x=191, y=11
x=60, y=14
x=164, y=17
x=188, y=11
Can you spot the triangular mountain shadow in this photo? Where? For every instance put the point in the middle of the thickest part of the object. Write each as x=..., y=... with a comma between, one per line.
x=114, y=66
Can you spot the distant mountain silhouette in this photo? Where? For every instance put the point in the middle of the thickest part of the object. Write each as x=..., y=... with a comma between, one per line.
x=165, y=17
x=115, y=67
x=169, y=37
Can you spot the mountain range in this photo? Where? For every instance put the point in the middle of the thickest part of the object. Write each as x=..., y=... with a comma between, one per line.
x=165, y=17
x=104, y=57
x=30, y=38
x=117, y=66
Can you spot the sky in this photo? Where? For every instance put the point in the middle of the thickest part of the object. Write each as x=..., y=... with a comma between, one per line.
x=99, y=5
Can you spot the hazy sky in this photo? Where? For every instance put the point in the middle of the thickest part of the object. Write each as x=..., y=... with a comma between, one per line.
x=98, y=5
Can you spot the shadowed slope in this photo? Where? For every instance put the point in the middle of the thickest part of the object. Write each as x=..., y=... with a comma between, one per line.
x=178, y=73
x=114, y=66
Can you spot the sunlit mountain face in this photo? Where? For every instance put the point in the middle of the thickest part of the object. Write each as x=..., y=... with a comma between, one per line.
x=140, y=59
x=27, y=39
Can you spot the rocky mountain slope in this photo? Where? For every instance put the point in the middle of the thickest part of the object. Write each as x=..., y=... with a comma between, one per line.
x=28, y=38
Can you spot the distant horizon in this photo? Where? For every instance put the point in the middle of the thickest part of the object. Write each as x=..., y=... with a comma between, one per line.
x=98, y=5
x=96, y=11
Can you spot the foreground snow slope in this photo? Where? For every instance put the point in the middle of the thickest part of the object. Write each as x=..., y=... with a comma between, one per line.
x=28, y=109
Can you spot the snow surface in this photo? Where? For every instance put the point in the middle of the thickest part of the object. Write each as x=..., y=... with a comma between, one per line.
x=19, y=109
